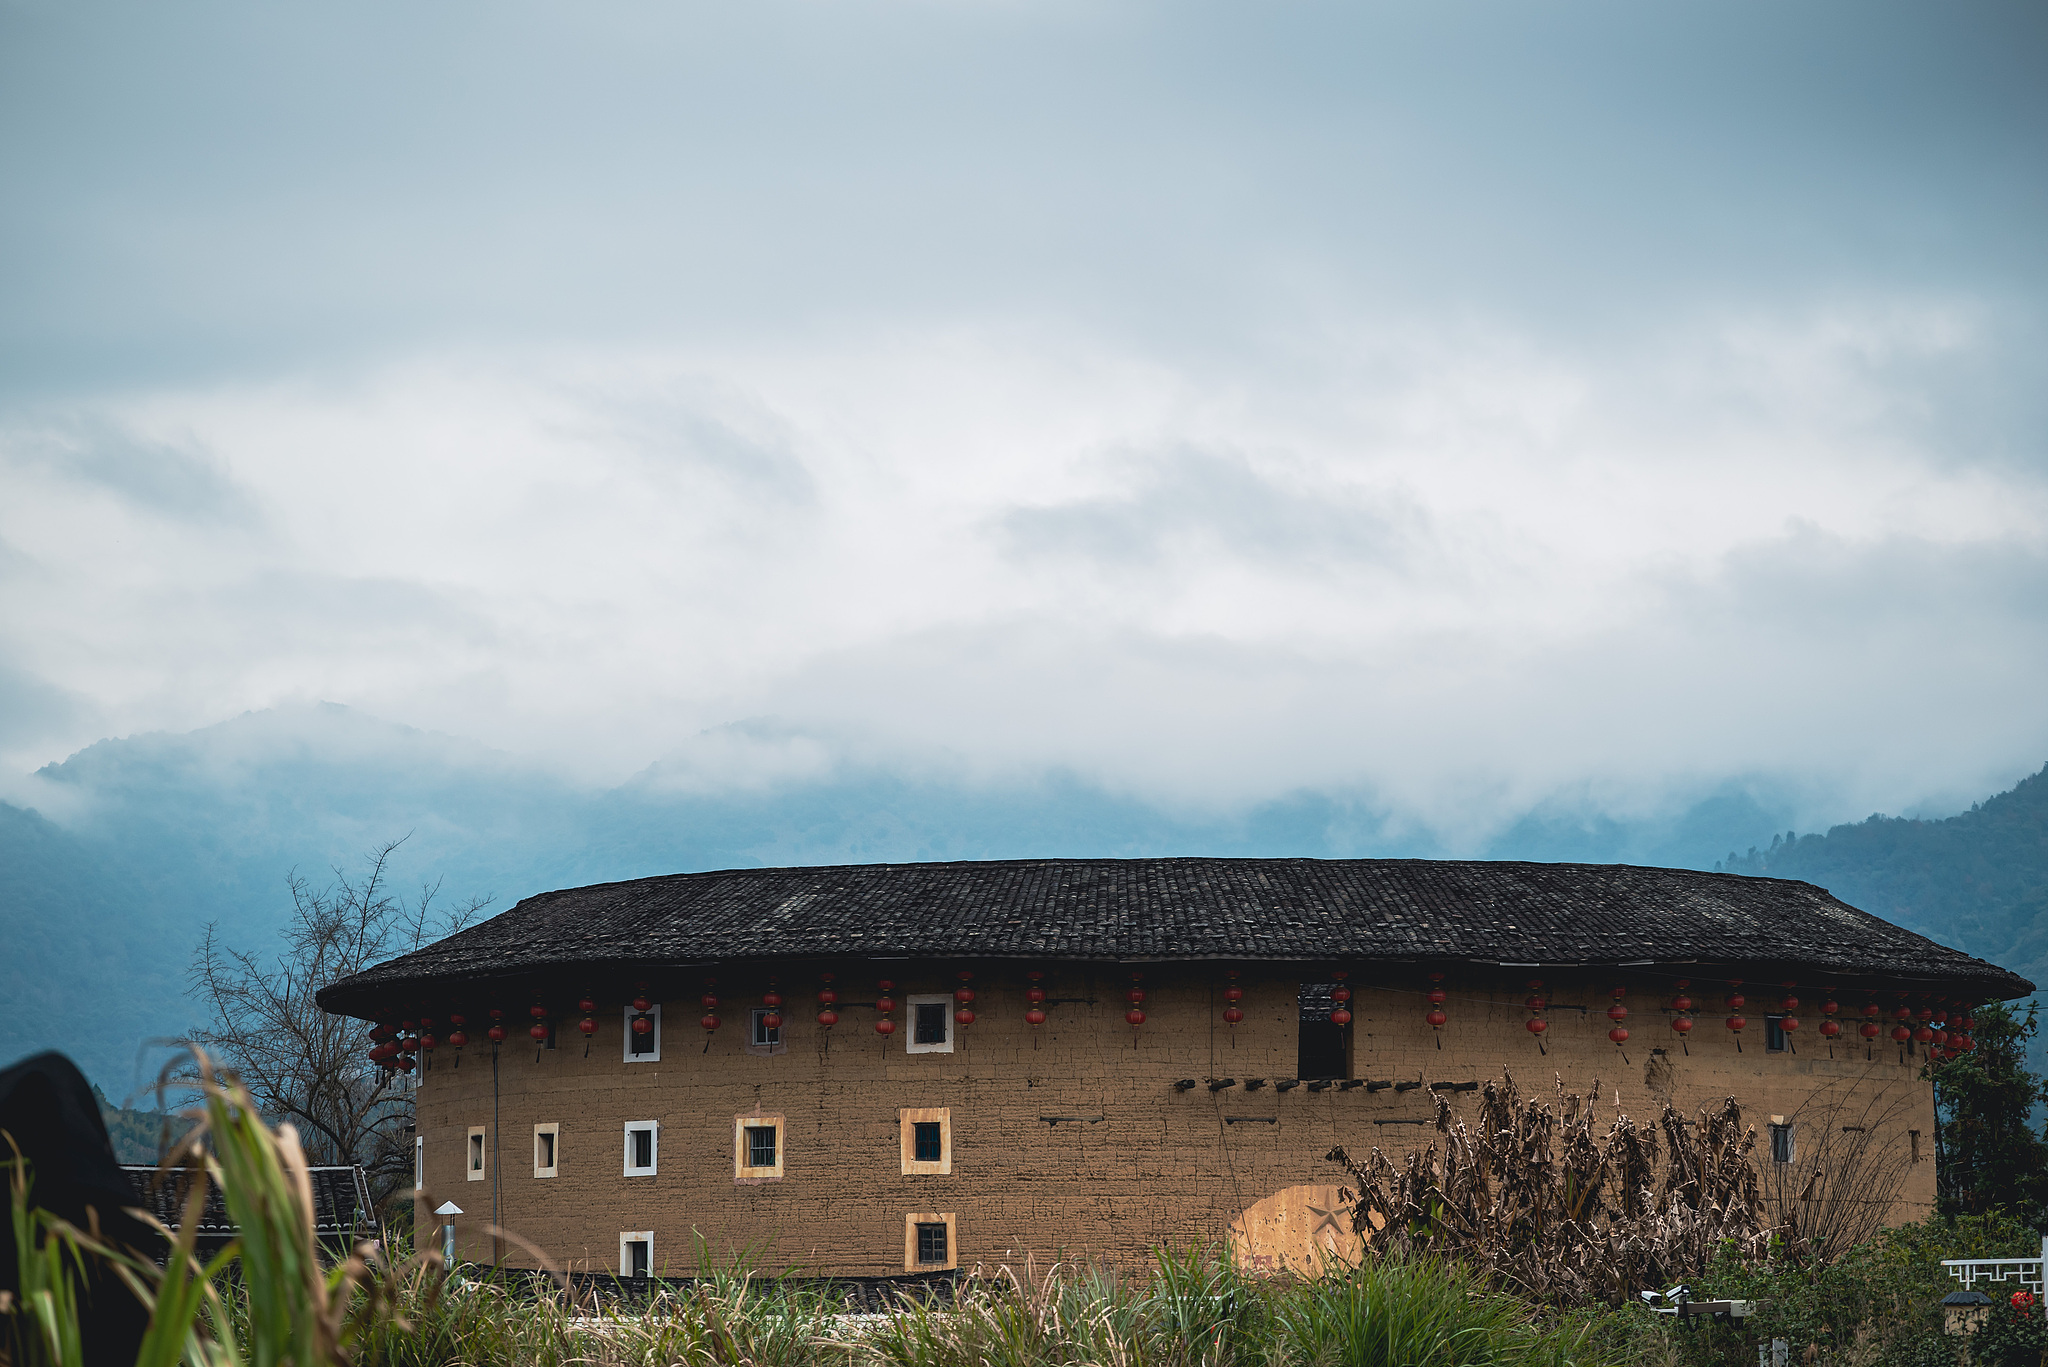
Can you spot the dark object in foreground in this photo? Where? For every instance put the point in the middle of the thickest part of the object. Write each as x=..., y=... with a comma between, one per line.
x=47, y=1108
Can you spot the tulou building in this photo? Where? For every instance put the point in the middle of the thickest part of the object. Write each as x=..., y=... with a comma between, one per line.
x=891, y=1070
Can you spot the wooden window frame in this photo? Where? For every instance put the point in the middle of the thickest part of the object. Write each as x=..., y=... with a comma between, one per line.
x=911, y=1221
x=626, y=1019
x=553, y=1130
x=635, y=1236
x=910, y=1005
x=907, y=1121
x=653, y=1168
x=741, y=1171
x=477, y=1144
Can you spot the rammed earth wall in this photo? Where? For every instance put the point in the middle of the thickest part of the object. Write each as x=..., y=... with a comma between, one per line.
x=1160, y=1164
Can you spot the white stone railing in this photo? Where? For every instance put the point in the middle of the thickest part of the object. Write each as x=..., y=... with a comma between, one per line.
x=2025, y=1271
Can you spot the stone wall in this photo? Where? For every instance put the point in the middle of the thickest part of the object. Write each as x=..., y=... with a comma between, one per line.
x=1159, y=1164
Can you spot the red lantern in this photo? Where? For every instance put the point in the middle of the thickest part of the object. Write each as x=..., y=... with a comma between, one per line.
x=1535, y=1003
x=1900, y=1034
x=537, y=1011
x=772, y=1021
x=539, y=1031
x=1965, y=1043
x=1871, y=1030
x=381, y=1032
x=1340, y=993
x=1682, y=1024
x=1231, y=1015
x=1788, y=1003
x=587, y=1006
x=1538, y=1025
x=885, y=1004
x=1681, y=1002
x=588, y=1025
x=1830, y=1007
x=828, y=1018
x=1340, y=1017
x=409, y=1026
x=496, y=1033
x=1437, y=1019
x=827, y=997
x=1034, y=1016
x=1618, y=1035
x=1617, y=1013
x=1941, y=1039
x=1830, y=1028
x=1873, y=1011
x=457, y=1020
x=1136, y=996
x=1034, y=995
x=964, y=995
x=963, y=1016
x=1134, y=1016
x=642, y=1003
x=1904, y=1013
x=1737, y=1023
x=426, y=1041
x=771, y=998
x=1437, y=996
x=885, y=1026
x=1233, y=993
x=710, y=1021
x=457, y=1039
x=1789, y=1024
x=1736, y=1001
x=643, y=1025
x=1925, y=1034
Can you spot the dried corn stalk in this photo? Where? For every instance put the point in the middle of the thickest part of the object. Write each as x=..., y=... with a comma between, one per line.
x=1549, y=1207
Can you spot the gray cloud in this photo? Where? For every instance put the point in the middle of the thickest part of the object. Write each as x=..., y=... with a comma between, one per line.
x=1584, y=404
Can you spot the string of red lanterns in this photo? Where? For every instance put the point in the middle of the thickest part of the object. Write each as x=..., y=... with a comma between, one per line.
x=885, y=1004
x=1537, y=1022
x=1034, y=1004
x=827, y=999
x=1232, y=995
x=709, y=1001
x=1436, y=1017
x=963, y=998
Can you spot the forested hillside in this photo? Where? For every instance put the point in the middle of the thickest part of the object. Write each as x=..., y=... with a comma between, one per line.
x=1977, y=880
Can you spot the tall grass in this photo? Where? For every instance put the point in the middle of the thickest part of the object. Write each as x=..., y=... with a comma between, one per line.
x=270, y=1298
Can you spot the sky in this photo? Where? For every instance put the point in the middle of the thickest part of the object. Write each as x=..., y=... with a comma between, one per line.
x=1461, y=404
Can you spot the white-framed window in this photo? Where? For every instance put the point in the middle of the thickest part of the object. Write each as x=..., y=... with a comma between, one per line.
x=926, y=1136
x=636, y=1253
x=643, y=1147
x=643, y=1046
x=547, y=1148
x=929, y=1244
x=931, y=1024
x=419, y=1162
x=757, y=1148
x=477, y=1158
x=761, y=1039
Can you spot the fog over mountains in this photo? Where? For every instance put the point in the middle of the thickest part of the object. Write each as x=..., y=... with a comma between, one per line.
x=113, y=861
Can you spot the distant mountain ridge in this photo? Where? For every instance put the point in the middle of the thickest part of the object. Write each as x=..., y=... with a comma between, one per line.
x=1977, y=880
x=150, y=837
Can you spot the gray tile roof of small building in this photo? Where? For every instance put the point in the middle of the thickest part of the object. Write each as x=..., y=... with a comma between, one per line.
x=1129, y=910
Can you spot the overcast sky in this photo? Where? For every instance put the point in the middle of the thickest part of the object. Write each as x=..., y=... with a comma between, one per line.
x=1464, y=404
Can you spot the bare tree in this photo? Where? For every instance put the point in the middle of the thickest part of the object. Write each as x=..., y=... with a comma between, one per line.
x=300, y=1063
x=1849, y=1156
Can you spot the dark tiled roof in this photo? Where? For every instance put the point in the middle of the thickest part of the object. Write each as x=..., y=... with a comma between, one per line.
x=1276, y=910
x=341, y=1202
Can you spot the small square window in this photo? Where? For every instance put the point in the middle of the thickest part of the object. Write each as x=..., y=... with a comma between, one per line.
x=643, y=1035
x=763, y=1038
x=931, y=1025
x=1781, y=1143
x=546, y=1138
x=931, y=1245
x=926, y=1140
x=636, y=1253
x=758, y=1148
x=643, y=1147
x=930, y=1241
x=1775, y=1039
x=476, y=1160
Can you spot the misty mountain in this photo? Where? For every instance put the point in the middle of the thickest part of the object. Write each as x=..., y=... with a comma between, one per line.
x=120, y=855
x=1977, y=880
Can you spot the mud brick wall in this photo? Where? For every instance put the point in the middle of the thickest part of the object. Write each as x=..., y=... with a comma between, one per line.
x=1159, y=1166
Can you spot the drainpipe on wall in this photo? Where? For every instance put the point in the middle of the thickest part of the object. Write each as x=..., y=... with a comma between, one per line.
x=497, y=1178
